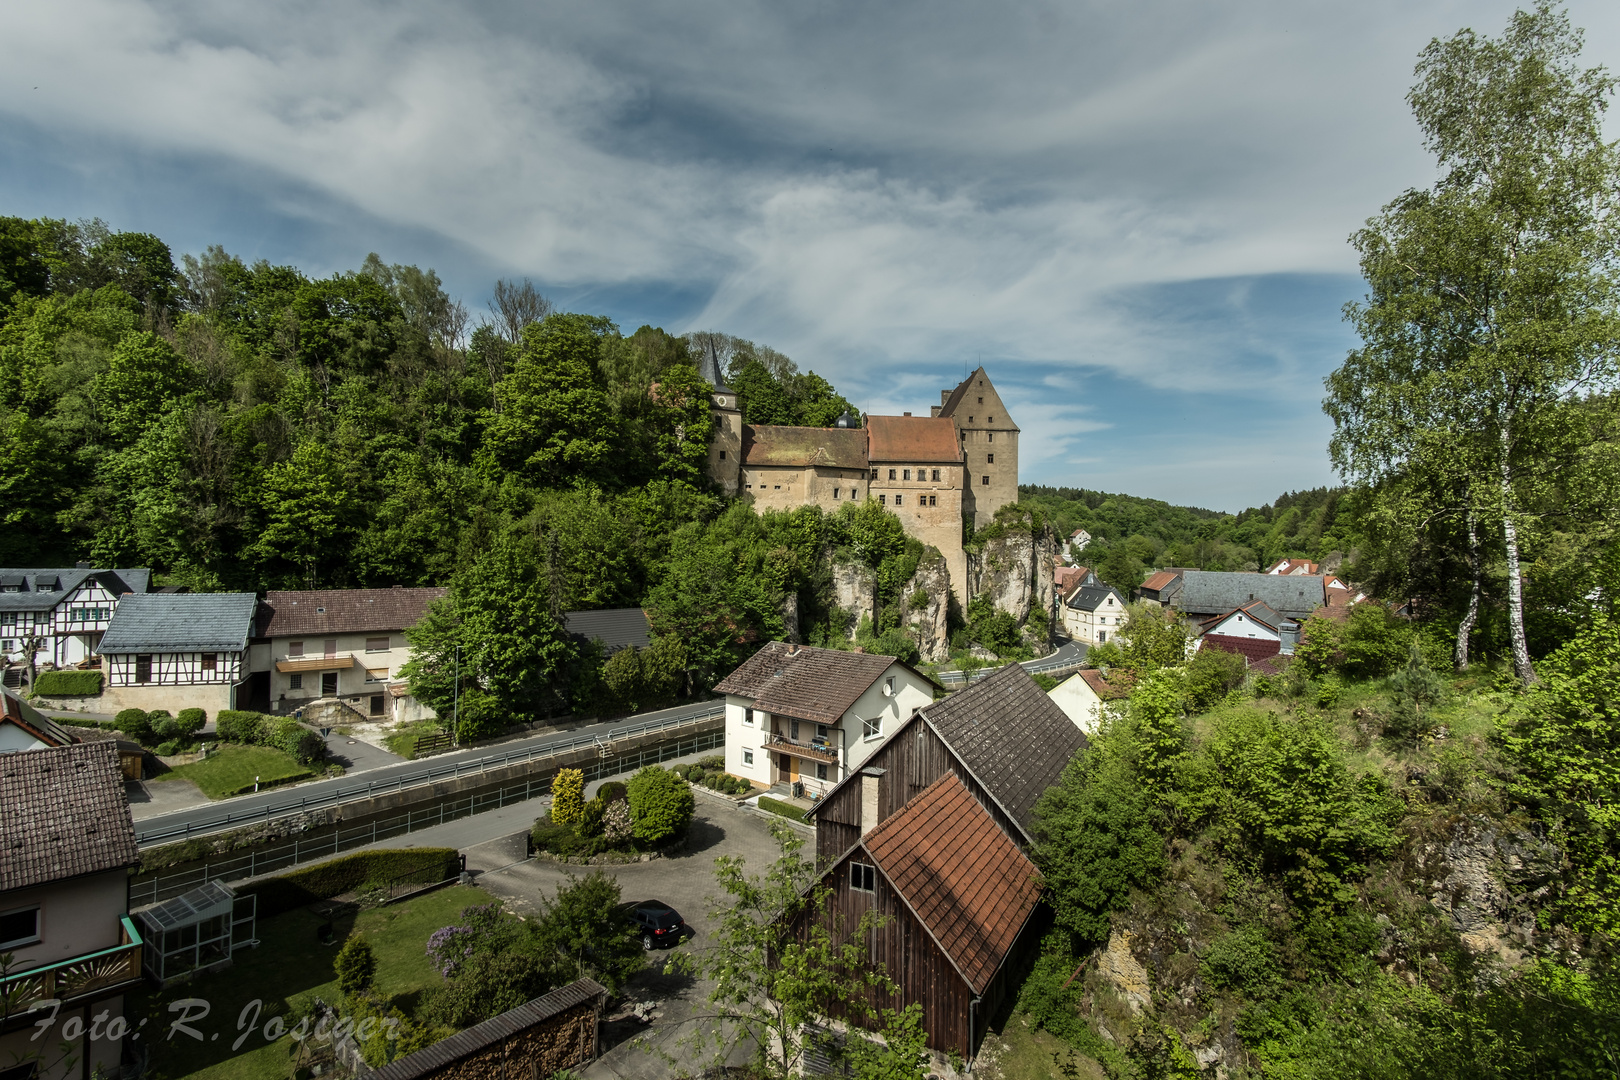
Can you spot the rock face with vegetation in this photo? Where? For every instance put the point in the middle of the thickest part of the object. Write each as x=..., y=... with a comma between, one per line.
x=1011, y=563
x=927, y=607
x=854, y=591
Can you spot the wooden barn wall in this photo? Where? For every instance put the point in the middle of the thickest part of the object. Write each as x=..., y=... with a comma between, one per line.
x=907, y=952
x=912, y=760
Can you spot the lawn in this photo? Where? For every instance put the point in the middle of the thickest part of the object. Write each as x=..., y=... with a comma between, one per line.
x=1019, y=1052
x=231, y=770
x=289, y=969
x=403, y=741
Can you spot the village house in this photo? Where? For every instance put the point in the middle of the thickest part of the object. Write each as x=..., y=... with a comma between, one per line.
x=1161, y=589
x=1206, y=594
x=1092, y=610
x=66, y=611
x=807, y=718
x=23, y=727
x=343, y=645
x=932, y=832
x=1084, y=695
x=177, y=651
x=64, y=903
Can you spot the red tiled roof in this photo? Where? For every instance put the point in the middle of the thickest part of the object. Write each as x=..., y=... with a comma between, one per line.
x=806, y=682
x=962, y=876
x=912, y=438
x=1294, y=566
x=1251, y=649
x=342, y=611
x=1065, y=576
x=65, y=814
x=835, y=448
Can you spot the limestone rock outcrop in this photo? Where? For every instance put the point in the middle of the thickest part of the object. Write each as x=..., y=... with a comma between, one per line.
x=925, y=621
x=1015, y=564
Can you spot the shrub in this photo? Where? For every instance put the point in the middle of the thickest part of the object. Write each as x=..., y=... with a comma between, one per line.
x=1417, y=690
x=324, y=880
x=294, y=738
x=695, y=774
x=1243, y=960
x=776, y=806
x=712, y=761
x=191, y=721
x=355, y=966
x=240, y=726
x=661, y=806
x=590, y=818
x=612, y=791
x=170, y=748
x=68, y=683
x=567, y=796
x=616, y=824
x=1209, y=676
x=133, y=722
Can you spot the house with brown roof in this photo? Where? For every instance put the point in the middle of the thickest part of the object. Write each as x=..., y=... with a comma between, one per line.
x=960, y=904
x=1161, y=589
x=806, y=717
x=68, y=845
x=787, y=467
x=1294, y=568
x=1085, y=695
x=1253, y=621
x=344, y=645
x=917, y=471
x=23, y=727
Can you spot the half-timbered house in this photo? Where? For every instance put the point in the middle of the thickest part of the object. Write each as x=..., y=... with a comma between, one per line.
x=1001, y=743
x=177, y=651
x=958, y=907
x=808, y=717
x=64, y=611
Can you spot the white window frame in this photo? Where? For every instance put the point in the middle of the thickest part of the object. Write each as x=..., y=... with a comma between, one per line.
x=748, y=718
x=872, y=730
x=748, y=757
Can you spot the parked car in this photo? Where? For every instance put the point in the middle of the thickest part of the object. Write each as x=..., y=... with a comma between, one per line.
x=659, y=924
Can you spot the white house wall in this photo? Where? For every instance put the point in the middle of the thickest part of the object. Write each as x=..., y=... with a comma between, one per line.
x=1241, y=625
x=365, y=675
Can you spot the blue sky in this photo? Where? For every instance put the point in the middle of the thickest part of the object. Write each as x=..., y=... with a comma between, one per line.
x=1134, y=215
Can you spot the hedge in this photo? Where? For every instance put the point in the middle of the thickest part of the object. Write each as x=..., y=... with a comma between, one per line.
x=68, y=684
x=240, y=726
x=777, y=806
x=349, y=873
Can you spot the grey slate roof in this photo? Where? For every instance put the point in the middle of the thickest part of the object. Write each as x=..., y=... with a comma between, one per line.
x=1091, y=597
x=1210, y=592
x=65, y=815
x=464, y=1044
x=709, y=372
x=180, y=622
x=1011, y=736
x=30, y=597
x=616, y=628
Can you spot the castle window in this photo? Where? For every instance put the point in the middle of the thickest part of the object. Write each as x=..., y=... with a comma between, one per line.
x=891, y=474
x=990, y=420
x=970, y=419
x=835, y=493
x=936, y=476
x=990, y=459
x=874, y=474
x=897, y=500
x=985, y=481
x=933, y=500
x=989, y=436
x=722, y=455
x=907, y=474
x=883, y=500
x=981, y=401
x=776, y=487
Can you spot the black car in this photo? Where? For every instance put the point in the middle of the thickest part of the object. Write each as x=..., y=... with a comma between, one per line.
x=658, y=923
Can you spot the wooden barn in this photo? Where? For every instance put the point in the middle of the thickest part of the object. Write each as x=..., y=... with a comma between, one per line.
x=960, y=902
x=939, y=821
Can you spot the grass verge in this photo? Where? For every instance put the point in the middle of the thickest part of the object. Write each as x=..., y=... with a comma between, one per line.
x=232, y=769
x=403, y=741
x=288, y=970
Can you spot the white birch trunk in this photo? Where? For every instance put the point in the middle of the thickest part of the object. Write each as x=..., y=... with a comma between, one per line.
x=1510, y=534
x=1471, y=616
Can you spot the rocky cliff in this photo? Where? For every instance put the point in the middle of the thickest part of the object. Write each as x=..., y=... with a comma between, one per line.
x=854, y=592
x=1013, y=561
x=926, y=600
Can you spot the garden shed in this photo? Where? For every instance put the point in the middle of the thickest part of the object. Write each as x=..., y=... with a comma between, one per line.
x=198, y=929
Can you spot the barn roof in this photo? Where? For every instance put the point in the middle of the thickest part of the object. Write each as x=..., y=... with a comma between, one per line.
x=1210, y=592
x=66, y=814
x=615, y=628
x=436, y=1060
x=961, y=875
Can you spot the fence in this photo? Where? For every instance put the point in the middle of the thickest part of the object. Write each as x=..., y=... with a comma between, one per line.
x=285, y=856
x=427, y=774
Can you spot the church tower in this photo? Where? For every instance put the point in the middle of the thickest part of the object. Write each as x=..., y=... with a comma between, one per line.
x=725, y=446
x=989, y=446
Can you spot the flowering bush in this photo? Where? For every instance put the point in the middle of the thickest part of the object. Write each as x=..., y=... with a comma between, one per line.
x=616, y=822
x=450, y=946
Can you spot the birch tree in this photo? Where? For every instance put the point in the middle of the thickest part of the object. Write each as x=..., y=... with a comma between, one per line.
x=1491, y=303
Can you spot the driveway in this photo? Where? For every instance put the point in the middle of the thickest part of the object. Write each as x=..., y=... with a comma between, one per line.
x=686, y=883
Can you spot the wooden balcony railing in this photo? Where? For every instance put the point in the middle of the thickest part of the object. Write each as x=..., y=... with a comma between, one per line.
x=80, y=977
x=814, y=751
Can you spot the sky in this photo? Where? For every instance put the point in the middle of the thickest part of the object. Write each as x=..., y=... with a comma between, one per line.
x=1135, y=216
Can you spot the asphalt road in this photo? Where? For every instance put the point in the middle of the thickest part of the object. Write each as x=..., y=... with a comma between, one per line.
x=1067, y=654
x=269, y=804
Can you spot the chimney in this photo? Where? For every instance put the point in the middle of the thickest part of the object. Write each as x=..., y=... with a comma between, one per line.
x=870, y=779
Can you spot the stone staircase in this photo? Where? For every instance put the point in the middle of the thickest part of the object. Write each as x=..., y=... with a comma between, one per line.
x=331, y=712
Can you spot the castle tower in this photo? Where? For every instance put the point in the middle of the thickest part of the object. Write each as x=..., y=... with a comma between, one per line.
x=989, y=446
x=725, y=446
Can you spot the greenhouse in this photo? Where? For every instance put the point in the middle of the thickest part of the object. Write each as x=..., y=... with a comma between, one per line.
x=199, y=929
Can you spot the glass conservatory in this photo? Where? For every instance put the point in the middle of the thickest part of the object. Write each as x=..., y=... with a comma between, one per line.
x=199, y=929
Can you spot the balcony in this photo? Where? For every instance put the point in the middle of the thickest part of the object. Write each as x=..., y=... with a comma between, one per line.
x=815, y=750
x=90, y=977
x=317, y=662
